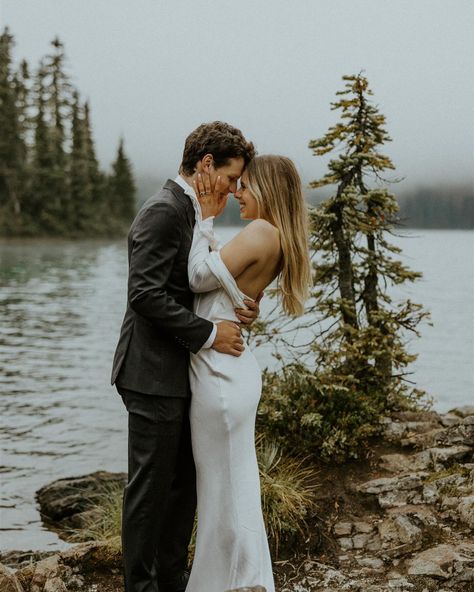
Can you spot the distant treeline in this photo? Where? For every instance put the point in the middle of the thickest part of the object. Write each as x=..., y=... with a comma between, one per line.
x=50, y=180
x=438, y=207
x=423, y=207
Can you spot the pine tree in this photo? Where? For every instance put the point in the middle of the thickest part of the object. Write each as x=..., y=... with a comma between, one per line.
x=122, y=187
x=97, y=178
x=366, y=349
x=81, y=212
x=57, y=90
x=50, y=179
x=12, y=145
x=329, y=400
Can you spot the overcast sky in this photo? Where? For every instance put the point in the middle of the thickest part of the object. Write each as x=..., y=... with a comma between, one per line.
x=155, y=69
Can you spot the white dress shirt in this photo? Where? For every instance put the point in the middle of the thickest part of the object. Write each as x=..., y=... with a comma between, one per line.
x=208, y=222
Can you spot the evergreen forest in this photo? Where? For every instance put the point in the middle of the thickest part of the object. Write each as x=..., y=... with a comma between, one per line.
x=51, y=183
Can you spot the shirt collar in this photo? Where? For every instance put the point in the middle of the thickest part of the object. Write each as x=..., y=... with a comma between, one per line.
x=187, y=188
x=189, y=191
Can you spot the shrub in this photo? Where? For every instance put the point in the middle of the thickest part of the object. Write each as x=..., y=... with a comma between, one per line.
x=303, y=416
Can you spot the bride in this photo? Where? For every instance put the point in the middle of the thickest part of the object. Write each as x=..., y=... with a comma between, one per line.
x=231, y=544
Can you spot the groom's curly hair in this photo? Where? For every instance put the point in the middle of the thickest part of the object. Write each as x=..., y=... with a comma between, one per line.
x=219, y=139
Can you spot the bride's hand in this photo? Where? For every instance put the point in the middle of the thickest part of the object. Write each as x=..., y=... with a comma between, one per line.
x=212, y=200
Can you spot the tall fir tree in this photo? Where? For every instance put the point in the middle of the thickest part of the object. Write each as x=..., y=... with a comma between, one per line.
x=81, y=211
x=350, y=230
x=41, y=204
x=97, y=178
x=330, y=399
x=122, y=188
x=58, y=91
x=12, y=143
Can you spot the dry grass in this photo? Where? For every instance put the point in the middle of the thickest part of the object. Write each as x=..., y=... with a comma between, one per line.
x=287, y=498
x=102, y=522
x=287, y=486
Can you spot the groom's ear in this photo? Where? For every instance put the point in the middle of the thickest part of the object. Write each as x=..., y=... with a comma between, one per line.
x=206, y=162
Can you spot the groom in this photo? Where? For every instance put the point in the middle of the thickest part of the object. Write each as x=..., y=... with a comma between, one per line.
x=150, y=368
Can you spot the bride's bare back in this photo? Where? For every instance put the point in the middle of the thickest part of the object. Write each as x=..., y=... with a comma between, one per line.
x=253, y=257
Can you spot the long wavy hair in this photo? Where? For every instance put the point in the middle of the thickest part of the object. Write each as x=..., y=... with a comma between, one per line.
x=276, y=185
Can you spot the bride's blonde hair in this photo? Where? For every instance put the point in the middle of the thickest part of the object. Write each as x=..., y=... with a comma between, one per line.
x=274, y=182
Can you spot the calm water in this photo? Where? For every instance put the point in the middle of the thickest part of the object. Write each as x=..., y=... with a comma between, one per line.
x=61, y=305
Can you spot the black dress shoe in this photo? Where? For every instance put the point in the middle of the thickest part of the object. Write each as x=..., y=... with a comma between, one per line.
x=176, y=585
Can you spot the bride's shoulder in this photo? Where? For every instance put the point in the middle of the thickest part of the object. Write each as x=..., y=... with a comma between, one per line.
x=262, y=228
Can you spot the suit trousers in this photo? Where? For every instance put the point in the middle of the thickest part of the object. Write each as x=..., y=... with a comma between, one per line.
x=159, y=500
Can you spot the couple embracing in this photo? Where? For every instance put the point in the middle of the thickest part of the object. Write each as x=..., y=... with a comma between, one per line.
x=190, y=386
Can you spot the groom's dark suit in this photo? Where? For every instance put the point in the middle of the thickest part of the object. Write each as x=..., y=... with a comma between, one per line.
x=150, y=371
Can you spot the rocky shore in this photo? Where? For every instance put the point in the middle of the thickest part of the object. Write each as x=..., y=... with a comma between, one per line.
x=400, y=520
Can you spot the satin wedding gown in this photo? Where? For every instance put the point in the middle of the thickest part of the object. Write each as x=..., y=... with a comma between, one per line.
x=231, y=544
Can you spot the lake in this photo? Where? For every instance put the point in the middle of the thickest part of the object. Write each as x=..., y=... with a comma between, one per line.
x=61, y=306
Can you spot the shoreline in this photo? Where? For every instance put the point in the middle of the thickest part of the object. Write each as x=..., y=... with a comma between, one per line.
x=400, y=519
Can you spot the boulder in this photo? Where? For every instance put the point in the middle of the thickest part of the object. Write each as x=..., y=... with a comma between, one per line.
x=442, y=561
x=464, y=411
x=63, y=500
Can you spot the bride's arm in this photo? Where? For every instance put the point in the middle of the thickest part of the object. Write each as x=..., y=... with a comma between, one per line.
x=201, y=278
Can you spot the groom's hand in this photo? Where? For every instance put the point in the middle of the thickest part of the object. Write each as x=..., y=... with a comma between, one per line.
x=248, y=315
x=228, y=339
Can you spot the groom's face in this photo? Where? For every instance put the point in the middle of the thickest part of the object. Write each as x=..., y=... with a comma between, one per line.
x=229, y=173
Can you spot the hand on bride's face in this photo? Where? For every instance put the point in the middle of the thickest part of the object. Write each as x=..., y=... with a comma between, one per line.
x=210, y=195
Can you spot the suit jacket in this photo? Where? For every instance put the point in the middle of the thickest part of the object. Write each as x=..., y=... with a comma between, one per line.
x=159, y=328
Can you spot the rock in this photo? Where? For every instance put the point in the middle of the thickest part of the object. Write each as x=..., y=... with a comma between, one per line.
x=385, y=484
x=343, y=528
x=45, y=576
x=62, y=500
x=402, y=463
x=417, y=416
x=18, y=559
x=363, y=527
x=462, y=435
x=464, y=411
x=8, y=580
x=434, y=489
x=253, y=589
x=58, y=572
x=450, y=419
x=374, y=563
x=94, y=556
x=441, y=561
x=410, y=423
x=359, y=541
x=423, y=440
x=399, y=535
x=400, y=584
x=465, y=510
x=441, y=456
x=346, y=543
x=421, y=514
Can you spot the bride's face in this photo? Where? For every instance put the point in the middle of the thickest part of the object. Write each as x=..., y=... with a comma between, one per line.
x=247, y=202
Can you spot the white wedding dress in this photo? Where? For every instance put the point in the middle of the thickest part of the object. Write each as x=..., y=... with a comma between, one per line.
x=231, y=544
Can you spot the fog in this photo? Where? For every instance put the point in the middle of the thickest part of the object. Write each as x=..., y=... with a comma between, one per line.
x=154, y=70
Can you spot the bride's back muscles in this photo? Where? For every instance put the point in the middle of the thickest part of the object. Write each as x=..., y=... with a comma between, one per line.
x=254, y=256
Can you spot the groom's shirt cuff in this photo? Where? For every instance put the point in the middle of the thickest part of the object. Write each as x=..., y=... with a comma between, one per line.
x=210, y=340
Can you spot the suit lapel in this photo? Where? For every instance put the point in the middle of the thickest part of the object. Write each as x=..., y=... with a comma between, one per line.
x=184, y=200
